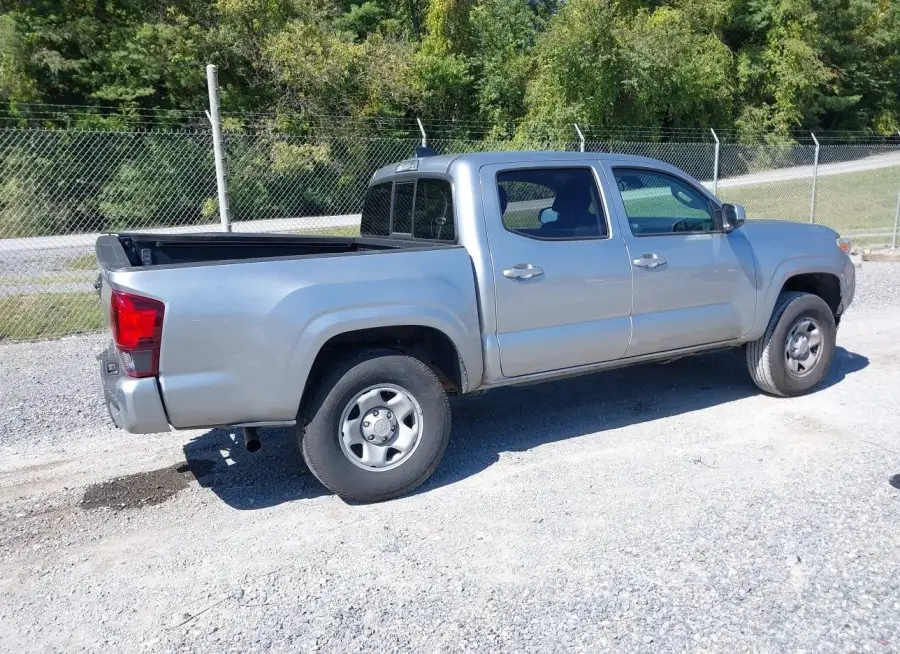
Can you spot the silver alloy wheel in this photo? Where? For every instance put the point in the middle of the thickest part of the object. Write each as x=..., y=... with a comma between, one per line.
x=381, y=427
x=803, y=346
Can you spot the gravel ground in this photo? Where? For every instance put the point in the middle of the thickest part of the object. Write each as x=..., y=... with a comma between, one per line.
x=660, y=508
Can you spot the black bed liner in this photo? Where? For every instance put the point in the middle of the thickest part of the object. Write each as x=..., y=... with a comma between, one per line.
x=129, y=250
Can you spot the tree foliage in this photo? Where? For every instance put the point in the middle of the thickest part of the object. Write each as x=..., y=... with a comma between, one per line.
x=764, y=66
x=525, y=69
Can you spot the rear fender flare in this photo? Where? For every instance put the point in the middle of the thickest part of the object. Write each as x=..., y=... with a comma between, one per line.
x=326, y=326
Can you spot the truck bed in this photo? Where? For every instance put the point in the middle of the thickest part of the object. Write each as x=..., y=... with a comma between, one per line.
x=246, y=315
x=136, y=250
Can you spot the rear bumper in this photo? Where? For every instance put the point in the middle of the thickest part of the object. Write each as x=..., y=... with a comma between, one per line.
x=133, y=404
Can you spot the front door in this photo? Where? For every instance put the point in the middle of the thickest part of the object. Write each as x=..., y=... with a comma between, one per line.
x=693, y=283
x=562, y=277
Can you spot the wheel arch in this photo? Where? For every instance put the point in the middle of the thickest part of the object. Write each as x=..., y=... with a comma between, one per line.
x=824, y=284
x=429, y=344
x=809, y=276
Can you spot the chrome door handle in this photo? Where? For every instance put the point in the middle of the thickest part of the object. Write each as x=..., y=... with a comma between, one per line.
x=523, y=271
x=650, y=261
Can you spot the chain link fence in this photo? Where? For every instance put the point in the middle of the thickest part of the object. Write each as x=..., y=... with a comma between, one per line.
x=61, y=188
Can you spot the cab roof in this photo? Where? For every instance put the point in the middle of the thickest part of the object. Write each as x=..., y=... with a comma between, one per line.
x=440, y=164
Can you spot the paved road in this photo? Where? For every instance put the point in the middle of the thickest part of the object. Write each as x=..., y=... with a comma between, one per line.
x=876, y=162
x=657, y=509
x=39, y=243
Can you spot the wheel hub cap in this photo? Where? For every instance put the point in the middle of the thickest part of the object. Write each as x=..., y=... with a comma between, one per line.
x=380, y=427
x=800, y=346
x=803, y=346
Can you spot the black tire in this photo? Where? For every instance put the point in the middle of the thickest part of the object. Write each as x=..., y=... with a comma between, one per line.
x=766, y=358
x=319, y=425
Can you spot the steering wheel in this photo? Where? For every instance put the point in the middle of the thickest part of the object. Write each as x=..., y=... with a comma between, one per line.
x=681, y=225
x=684, y=225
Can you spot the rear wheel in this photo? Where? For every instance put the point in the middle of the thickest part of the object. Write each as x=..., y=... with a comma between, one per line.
x=795, y=352
x=376, y=427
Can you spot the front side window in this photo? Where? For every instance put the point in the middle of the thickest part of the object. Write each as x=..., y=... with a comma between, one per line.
x=659, y=203
x=551, y=203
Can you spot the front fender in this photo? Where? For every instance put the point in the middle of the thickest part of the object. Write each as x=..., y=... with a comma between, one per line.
x=832, y=265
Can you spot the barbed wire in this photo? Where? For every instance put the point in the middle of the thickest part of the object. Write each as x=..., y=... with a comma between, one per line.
x=289, y=120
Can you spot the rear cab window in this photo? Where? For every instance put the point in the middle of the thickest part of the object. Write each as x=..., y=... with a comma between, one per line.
x=420, y=209
x=376, y=213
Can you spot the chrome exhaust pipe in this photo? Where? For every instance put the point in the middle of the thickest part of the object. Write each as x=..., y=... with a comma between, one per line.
x=251, y=439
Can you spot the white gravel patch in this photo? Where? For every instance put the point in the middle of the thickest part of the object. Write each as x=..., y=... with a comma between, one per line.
x=653, y=509
x=50, y=389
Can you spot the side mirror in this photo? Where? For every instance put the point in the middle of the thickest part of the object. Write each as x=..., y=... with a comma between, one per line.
x=733, y=216
x=547, y=215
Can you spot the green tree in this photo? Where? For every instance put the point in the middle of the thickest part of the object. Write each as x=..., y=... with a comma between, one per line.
x=781, y=76
x=443, y=75
x=504, y=33
x=861, y=44
x=322, y=71
x=643, y=68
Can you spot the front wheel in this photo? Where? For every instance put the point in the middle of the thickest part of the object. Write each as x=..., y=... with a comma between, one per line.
x=377, y=427
x=795, y=352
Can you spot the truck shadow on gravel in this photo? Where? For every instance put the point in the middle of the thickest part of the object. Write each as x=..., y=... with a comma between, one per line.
x=245, y=480
x=518, y=419
x=504, y=420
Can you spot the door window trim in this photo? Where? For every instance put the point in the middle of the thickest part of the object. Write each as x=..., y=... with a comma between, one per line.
x=544, y=166
x=714, y=202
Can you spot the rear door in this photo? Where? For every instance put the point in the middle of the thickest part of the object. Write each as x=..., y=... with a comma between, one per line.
x=561, y=272
x=693, y=283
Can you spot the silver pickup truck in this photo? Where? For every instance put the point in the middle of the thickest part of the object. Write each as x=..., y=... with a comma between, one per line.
x=472, y=271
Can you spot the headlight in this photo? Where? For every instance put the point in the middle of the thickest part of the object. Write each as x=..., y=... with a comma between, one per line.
x=844, y=245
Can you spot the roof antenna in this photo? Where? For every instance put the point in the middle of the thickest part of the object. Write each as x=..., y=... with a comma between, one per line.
x=423, y=150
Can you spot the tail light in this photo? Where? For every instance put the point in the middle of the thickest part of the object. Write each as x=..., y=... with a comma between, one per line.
x=137, y=331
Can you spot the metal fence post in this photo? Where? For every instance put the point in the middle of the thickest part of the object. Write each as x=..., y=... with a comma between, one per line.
x=580, y=136
x=422, y=130
x=896, y=223
x=715, y=163
x=896, y=217
x=212, y=83
x=812, y=197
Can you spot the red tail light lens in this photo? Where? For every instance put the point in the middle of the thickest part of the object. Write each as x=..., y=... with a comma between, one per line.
x=137, y=331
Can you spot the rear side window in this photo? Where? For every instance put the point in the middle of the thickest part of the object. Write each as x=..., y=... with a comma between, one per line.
x=422, y=208
x=376, y=213
x=551, y=203
x=433, y=218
